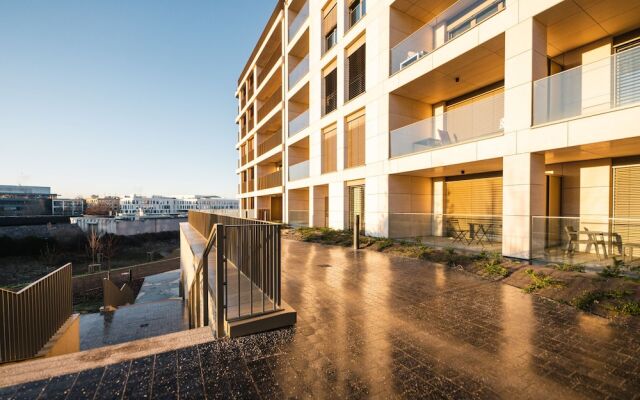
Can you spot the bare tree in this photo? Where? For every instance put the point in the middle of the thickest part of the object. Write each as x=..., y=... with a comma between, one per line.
x=94, y=244
x=109, y=249
x=49, y=255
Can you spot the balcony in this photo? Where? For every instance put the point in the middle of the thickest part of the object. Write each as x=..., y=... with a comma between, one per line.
x=299, y=72
x=471, y=122
x=453, y=22
x=271, y=180
x=272, y=102
x=299, y=123
x=588, y=89
x=271, y=142
x=298, y=21
x=299, y=171
x=357, y=10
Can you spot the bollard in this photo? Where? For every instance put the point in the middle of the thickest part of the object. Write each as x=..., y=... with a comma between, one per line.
x=356, y=233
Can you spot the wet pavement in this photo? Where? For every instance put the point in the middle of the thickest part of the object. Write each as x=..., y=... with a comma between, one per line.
x=374, y=326
x=157, y=311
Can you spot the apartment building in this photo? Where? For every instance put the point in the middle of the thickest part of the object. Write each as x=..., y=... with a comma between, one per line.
x=163, y=205
x=512, y=125
x=67, y=207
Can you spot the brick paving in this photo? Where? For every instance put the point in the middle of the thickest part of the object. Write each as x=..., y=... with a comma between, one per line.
x=374, y=326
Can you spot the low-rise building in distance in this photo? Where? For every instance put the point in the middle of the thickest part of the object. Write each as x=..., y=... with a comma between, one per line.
x=67, y=207
x=21, y=201
x=107, y=205
x=163, y=205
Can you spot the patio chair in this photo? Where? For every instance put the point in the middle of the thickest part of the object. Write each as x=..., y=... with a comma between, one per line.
x=573, y=239
x=596, y=239
x=457, y=233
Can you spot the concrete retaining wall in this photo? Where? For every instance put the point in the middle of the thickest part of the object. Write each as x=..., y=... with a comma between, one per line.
x=85, y=283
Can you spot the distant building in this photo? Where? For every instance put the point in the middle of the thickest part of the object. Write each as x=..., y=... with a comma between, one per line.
x=161, y=205
x=67, y=207
x=20, y=201
x=96, y=205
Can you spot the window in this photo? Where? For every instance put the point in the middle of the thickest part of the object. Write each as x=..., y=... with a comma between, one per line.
x=357, y=10
x=330, y=91
x=330, y=26
x=355, y=140
x=356, y=72
x=329, y=149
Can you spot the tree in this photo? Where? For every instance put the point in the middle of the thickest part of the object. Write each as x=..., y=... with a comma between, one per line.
x=109, y=249
x=94, y=244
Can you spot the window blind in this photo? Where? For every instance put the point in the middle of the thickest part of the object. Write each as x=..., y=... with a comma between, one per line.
x=355, y=140
x=356, y=67
x=627, y=73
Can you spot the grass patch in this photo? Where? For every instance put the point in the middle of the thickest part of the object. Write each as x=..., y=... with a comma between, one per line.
x=326, y=236
x=384, y=244
x=629, y=307
x=540, y=281
x=495, y=270
x=566, y=267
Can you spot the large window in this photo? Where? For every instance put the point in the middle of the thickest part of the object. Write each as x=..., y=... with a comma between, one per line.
x=330, y=91
x=329, y=149
x=355, y=140
x=356, y=67
x=330, y=26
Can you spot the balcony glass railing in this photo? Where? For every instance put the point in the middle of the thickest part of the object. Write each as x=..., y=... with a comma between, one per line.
x=298, y=21
x=299, y=171
x=476, y=120
x=590, y=88
x=589, y=242
x=454, y=21
x=357, y=10
x=479, y=232
x=299, y=72
x=299, y=123
x=271, y=142
x=298, y=218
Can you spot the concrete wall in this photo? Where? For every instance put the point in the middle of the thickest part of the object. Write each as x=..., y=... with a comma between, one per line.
x=129, y=228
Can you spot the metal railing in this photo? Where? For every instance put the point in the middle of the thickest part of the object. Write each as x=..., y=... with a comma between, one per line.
x=474, y=121
x=299, y=72
x=271, y=180
x=299, y=171
x=451, y=23
x=245, y=279
x=298, y=21
x=591, y=241
x=587, y=89
x=269, y=143
x=31, y=316
x=481, y=232
x=299, y=123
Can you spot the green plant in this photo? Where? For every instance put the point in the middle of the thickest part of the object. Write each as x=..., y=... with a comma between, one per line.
x=384, y=244
x=567, y=267
x=540, y=281
x=495, y=270
x=614, y=270
x=587, y=299
x=628, y=308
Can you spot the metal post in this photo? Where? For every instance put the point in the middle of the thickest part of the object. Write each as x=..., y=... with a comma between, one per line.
x=205, y=288
x=220, y=331
x=356, y=233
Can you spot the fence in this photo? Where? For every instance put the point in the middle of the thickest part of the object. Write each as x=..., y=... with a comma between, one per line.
x=31, y=316
x=244, y=280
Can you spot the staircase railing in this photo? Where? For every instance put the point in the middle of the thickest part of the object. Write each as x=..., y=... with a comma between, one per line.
x=31, y=316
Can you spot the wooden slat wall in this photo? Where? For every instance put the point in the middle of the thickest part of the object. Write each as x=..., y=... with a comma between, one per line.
x=626, y=202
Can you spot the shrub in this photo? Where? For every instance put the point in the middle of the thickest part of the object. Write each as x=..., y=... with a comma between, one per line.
x=628, y=308
x=567, y=267
x=587, y=299
x=614, y=270
x=384, y=244
x=540, y=281
x=494, y=269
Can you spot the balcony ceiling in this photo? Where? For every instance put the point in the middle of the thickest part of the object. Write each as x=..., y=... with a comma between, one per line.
x=273, y=44
x=611, y=149
x=477, y=68
x=476, y=167
x=424, y=10
x=574, y=23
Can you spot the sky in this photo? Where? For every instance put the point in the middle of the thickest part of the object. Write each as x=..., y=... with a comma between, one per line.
x=123, y=96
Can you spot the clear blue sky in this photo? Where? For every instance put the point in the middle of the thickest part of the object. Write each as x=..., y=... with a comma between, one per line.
x=123, y=96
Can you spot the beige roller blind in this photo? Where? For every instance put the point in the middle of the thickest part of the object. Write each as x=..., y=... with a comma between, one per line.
x=355, y=140
x=474, y=196
x=626, y=202
x=330, y=18
x=329, y=149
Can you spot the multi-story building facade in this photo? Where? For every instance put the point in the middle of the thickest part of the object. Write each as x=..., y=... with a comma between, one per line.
x=67, y=207
x=512, y=122
x=161, y=205
x=20, y=201
x=109, y=205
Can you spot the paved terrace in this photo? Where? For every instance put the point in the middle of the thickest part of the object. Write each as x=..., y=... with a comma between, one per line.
x=374, y=326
